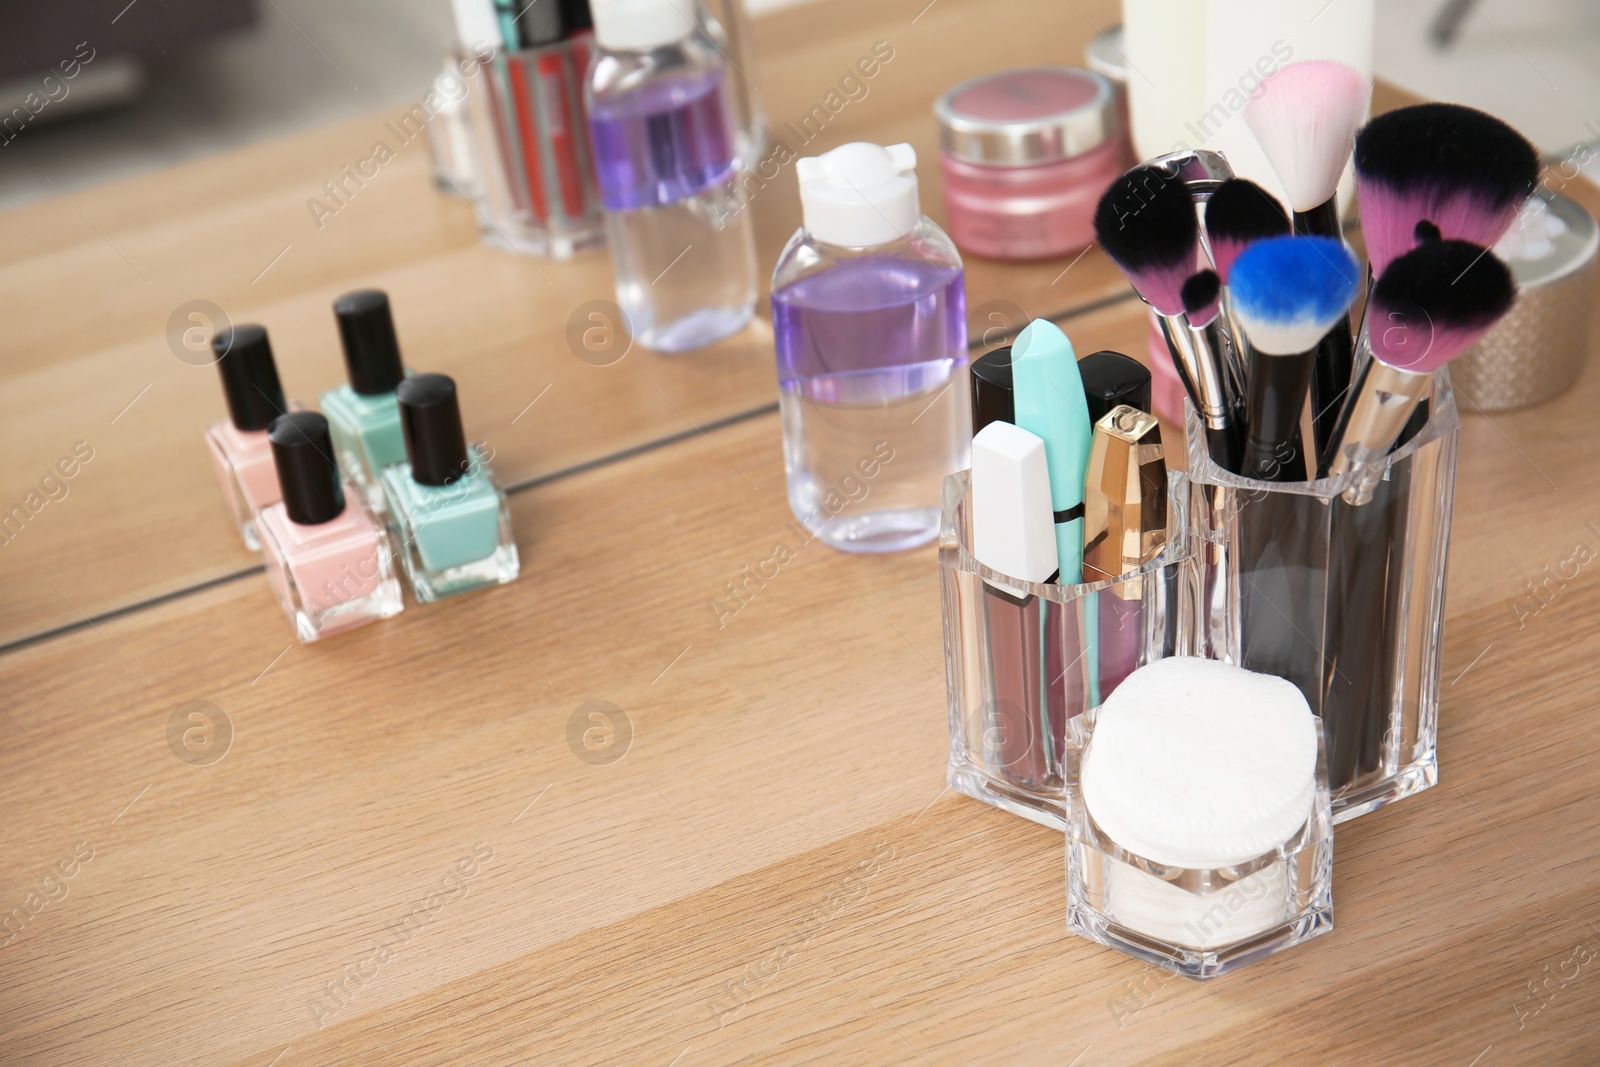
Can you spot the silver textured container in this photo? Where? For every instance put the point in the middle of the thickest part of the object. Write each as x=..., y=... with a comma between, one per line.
x=1538, y=350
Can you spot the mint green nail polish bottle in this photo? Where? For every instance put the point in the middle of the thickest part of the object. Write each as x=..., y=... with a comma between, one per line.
x=363, y=418
x=450, y=524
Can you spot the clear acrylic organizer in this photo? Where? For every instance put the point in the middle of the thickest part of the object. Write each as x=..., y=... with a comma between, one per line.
x=1018, y=656
x=1346, y=602
x=1197, y=922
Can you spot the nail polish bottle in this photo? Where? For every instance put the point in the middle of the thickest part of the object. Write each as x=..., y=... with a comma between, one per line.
x=328, y=558
x=239, y=447
x=451, y=525
x=362, y=416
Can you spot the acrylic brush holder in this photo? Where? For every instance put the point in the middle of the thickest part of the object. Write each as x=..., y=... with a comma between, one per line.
x=1346, y=602
x=1018, y=656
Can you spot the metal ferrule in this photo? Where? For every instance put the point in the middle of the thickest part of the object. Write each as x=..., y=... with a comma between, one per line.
x=1202, y=376
x=1383, y=398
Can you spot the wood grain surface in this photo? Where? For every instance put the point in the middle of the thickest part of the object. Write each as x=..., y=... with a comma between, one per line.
x=415, y=844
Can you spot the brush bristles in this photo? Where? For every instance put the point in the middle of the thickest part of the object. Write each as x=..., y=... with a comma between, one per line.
x=1430, y=304
x=1147, y=223
x=1289, y=291
x=1239, y=213
x=1304, y=116
x=1201, y=295
x=1465, y=171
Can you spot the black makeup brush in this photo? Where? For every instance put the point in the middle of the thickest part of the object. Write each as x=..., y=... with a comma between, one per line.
x=1218, y=388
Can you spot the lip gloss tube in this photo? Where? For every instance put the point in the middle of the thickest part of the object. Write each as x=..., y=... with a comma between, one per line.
x=1126, y=521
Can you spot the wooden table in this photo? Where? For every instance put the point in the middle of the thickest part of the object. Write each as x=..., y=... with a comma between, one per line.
x=408, y=854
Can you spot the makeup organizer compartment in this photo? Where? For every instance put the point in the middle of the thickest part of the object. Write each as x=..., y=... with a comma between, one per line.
x=536, y=178
x=1346, y=602
x=1200, y=840
x=1018, y=656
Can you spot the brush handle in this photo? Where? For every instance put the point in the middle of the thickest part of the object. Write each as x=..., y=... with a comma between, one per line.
x=1320, y=221
x=1277, y=394
x=1330, y=381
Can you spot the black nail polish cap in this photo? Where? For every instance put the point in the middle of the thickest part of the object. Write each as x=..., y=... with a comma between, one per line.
x=307, y=474
x=371, y=351
x=430, y=419
x=249, y=376
x=990, y=378
x=1111, y=378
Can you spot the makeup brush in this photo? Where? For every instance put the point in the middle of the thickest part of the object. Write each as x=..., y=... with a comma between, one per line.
x=1463, y=171
x=1432, y=304
x=1287, y=292
x=1239, y=214
x=1217, y=391
x=1147, y=224
x=1304, y=116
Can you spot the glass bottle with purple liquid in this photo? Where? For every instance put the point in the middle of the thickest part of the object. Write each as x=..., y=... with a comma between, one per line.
x=682, y=250
x=869, y=319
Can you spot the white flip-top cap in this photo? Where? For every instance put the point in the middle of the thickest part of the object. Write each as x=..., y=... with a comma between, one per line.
x=860, y=194
x=1013, y=528
x=639, y=25
x=477, y=23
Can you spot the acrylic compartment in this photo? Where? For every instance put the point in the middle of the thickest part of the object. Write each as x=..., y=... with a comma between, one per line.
x=1198, y=922
x=451, y=538
x=536, y=182
x=332, y=576
x=1346, y=602
x=1024, y=659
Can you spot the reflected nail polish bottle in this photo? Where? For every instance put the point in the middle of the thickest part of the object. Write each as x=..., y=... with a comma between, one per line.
x=362, y=416
x=452, y=526
x=328, y=558
x=238, y=444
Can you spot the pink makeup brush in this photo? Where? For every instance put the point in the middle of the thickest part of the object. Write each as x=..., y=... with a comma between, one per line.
x=1464, y=171
x=1304, y=116
x=1238, y=214
x=1428, y=306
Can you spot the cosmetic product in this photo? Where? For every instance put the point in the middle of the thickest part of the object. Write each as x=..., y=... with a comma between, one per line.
x=450, y=523
x=1013, y=534
x=1147, y=224
x=991, y=387
x=1464, y=172
x=1125, y=526
x=869, y=324
x=1287, y=293
x=1008, y=641
x=363, y=417
x=328, y=560
x=1538, y=350
x=1432, y=304
x=1111, y=379
x=1050, y=403
x=239, y=448
x=1025, y=156
x=682, y=245
x=1304, y=117
x=1200, y=836
x=724, y=24
x=537, y=185
x=1106, y=57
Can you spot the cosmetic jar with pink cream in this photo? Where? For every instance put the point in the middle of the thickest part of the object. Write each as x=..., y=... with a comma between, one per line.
x=1025, y=155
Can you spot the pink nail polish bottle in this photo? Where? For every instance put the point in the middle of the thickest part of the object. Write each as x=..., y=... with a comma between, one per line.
x=328, y=559
x=1025, y=155
x=239, y=448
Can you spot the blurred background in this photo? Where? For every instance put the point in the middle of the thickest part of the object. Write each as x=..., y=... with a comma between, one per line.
x=161, y=81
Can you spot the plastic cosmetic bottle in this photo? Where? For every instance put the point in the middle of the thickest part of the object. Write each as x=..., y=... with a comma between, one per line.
x=869, y=320
x=682, y=250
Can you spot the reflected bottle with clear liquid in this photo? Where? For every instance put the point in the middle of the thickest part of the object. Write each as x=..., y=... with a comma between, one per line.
x=869, y=321
x=682, y=250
